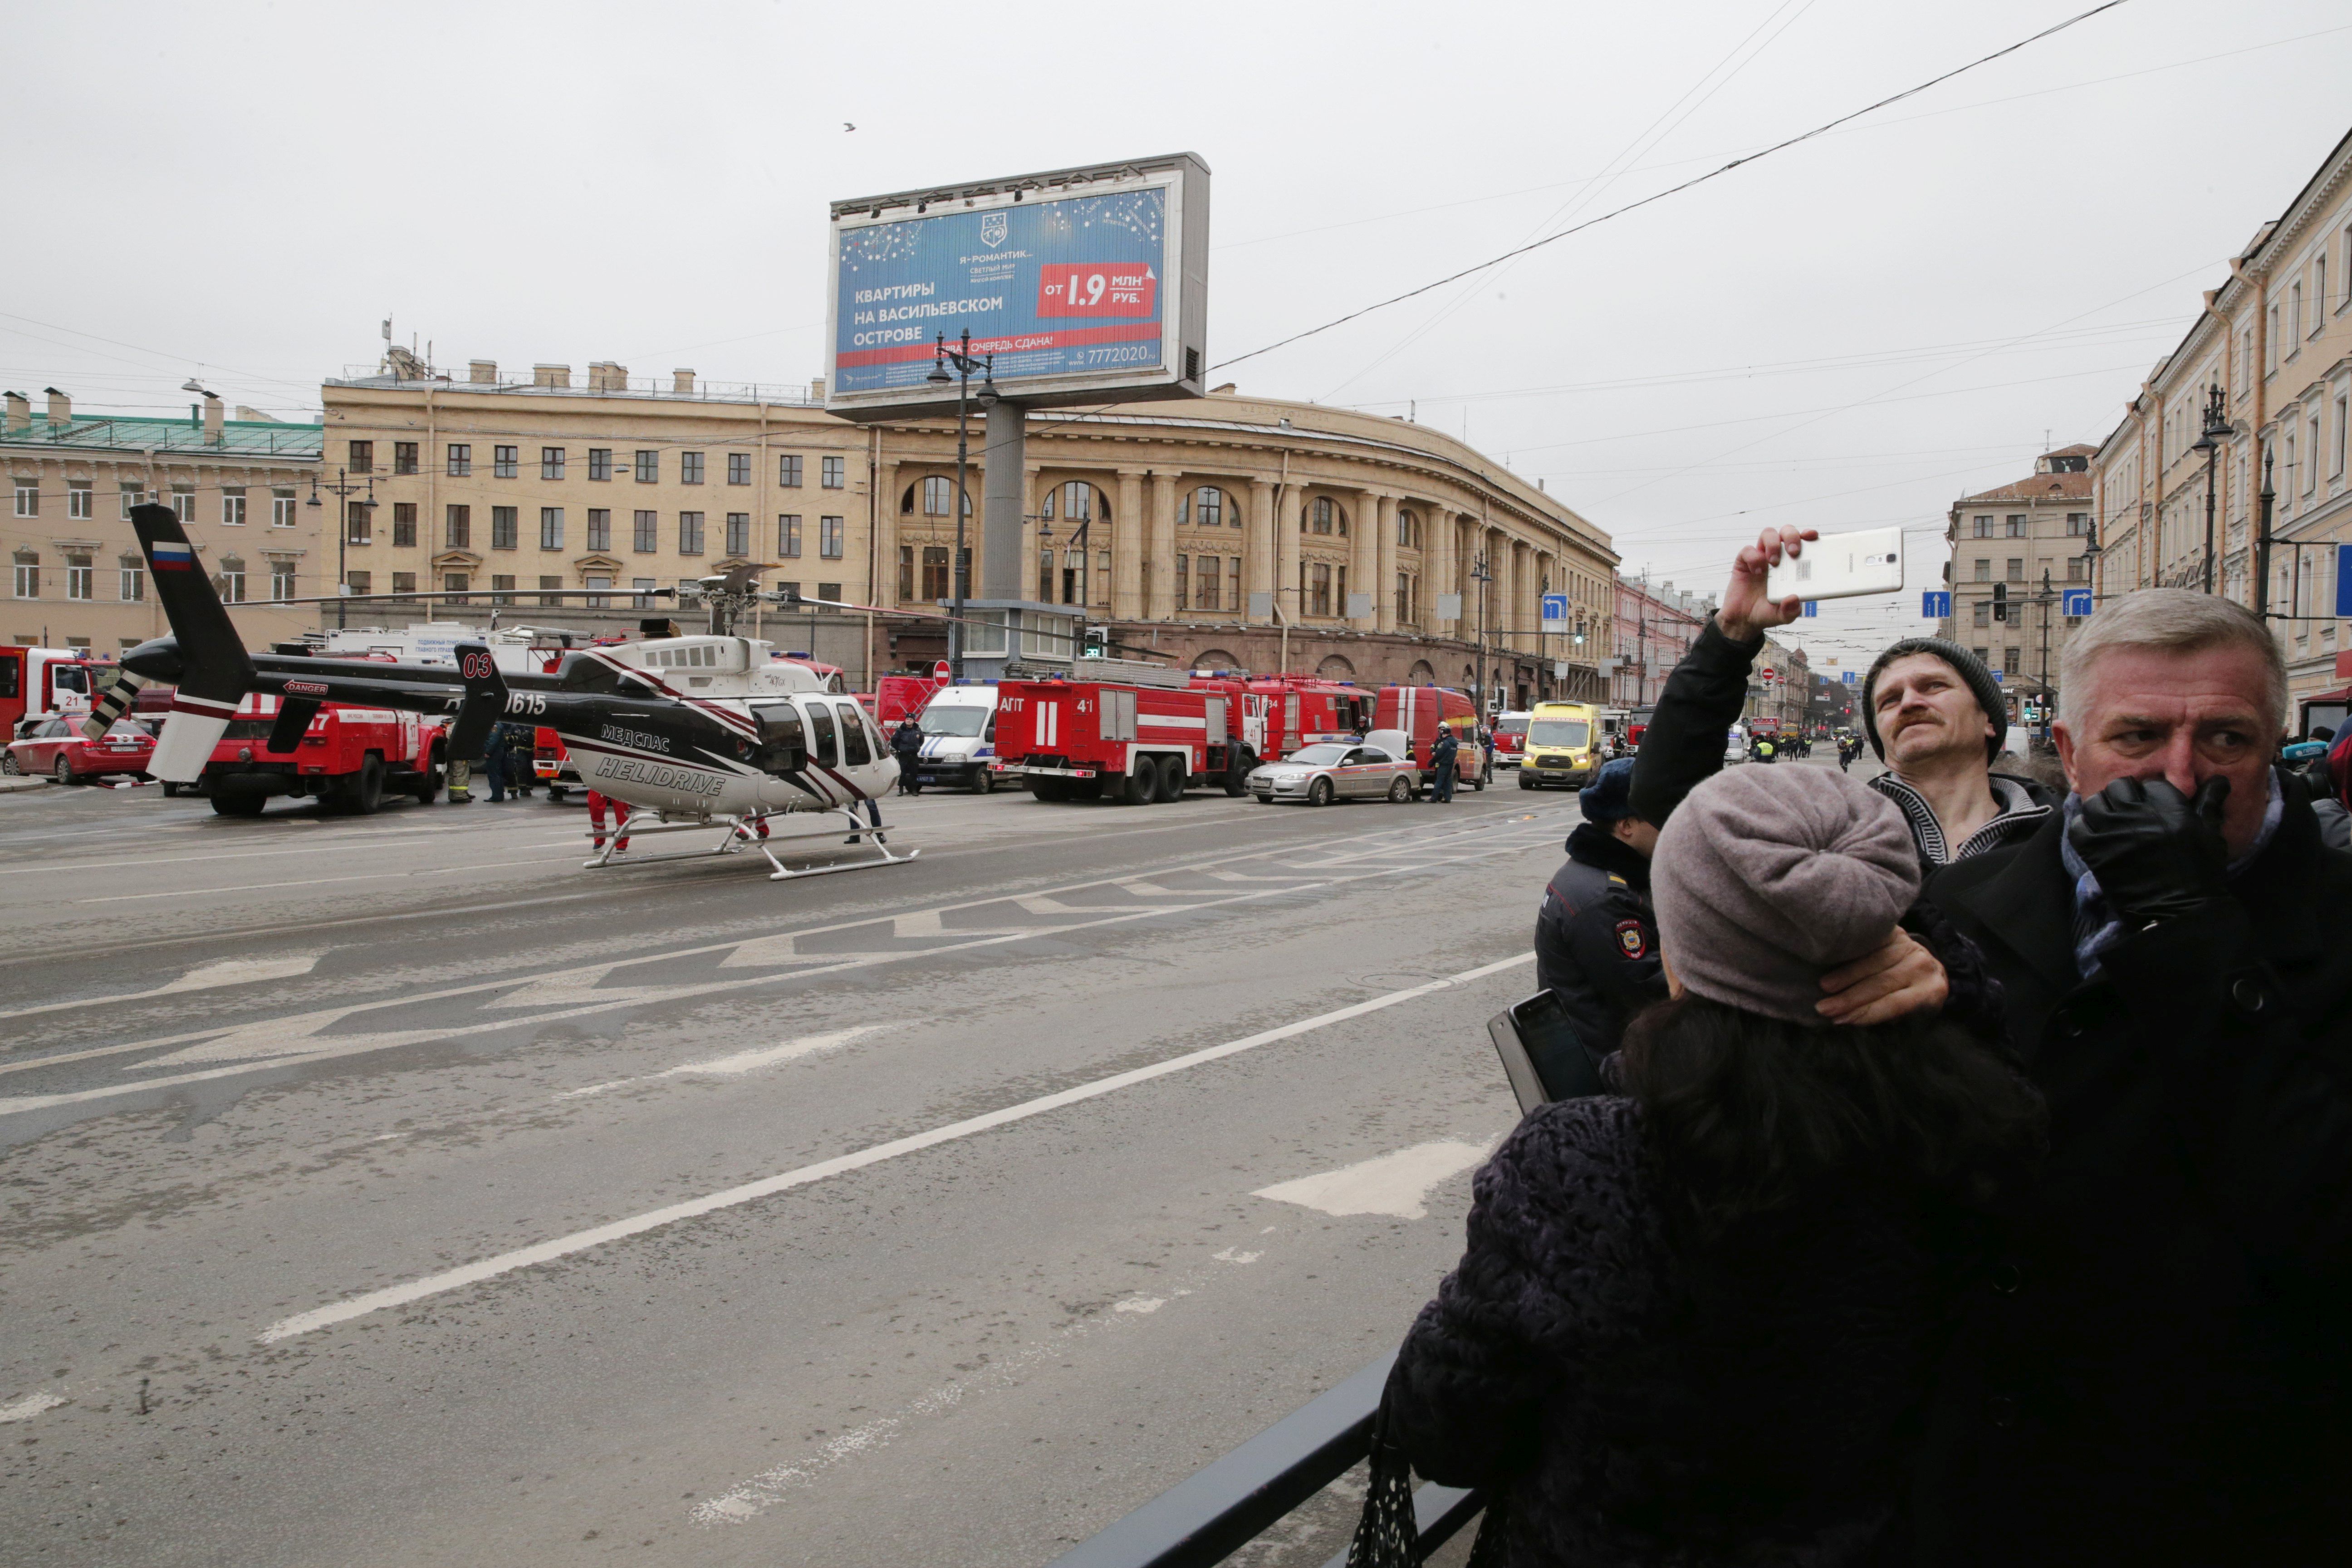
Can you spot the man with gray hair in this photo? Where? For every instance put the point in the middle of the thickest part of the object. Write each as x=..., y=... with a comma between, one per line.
x=2161, y=1370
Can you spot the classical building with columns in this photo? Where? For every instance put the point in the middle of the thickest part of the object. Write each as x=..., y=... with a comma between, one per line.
x=1227, y=532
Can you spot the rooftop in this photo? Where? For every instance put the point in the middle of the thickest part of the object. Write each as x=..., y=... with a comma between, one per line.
x=2040, y=487
x=145, y=433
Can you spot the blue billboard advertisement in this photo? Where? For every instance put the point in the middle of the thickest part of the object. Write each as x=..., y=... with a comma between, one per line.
x=1069, y=286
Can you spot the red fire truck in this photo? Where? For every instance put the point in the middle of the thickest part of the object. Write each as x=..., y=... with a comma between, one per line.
x=38, y=681
x=1300, y=709
x=1131, y=742
x=1421, y=711
x=349, y=757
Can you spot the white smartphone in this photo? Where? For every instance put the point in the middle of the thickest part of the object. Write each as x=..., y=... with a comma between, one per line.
x=1840, y=567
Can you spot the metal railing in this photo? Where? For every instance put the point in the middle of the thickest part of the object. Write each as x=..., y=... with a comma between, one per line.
x=1209, y=1516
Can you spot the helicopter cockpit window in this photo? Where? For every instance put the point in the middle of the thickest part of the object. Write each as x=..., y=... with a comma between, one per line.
x=580, y=672
x=783, y=747
x=821, y=732
x=854, y=750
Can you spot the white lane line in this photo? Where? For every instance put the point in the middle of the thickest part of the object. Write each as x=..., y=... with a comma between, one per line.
x=32, y=1404
x=741, y=1062
x=318, y=882
x=768, y=1186
x=1395, y=1184
x=228, y=972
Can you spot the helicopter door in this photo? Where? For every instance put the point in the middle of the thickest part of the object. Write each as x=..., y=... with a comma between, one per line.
x=783, y=749
x=821, y=749
x=855, y=751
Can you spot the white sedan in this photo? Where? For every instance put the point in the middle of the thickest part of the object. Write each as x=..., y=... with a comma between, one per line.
x=1329, y=770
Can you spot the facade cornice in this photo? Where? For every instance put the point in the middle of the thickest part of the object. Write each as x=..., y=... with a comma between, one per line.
x=2325, y=183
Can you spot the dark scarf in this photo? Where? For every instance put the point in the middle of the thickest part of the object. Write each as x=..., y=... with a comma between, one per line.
x=1593, y=845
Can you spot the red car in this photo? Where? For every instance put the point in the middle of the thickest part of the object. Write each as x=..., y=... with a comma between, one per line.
x=55, y=748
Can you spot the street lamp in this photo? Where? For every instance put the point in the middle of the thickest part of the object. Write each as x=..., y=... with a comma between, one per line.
x=342, y=489
x=2262, y=541
x=1480, y=575
x=2217, y=425
x=941, y=357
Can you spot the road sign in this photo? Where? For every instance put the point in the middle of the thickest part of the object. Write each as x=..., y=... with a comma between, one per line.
x=2077, y=602
x=1936, y=605
x=1846, y=676
x=2343, y=579
x=943, y=672
x=1768, y=673
x=1555, y=612
x=1812, y=606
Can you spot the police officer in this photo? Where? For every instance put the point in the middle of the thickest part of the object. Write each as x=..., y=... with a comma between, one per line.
x=1596, y=940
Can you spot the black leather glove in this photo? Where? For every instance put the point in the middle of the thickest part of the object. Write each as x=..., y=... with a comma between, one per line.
x=2158, y=853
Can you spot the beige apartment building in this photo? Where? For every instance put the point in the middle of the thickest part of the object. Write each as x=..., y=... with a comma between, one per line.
x=1230, y=533
x=243, y=487
x=2277, y=339
x=2016, y=550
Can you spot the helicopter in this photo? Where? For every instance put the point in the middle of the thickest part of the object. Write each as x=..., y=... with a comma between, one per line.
x=691, y=734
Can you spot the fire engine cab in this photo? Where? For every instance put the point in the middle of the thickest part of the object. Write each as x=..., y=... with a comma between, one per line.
x=346, y=756
x=1146, y=735
x=40, y=680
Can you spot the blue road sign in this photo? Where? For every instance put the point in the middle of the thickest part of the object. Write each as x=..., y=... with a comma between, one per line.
x=1846, y=676
x=2343, y=579
x=2077, y=602
x=1997, y=677
x=1555, y=612
x=1936, y=605
x=1812, y=606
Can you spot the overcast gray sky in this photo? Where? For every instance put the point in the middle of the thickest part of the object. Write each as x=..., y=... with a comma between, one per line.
x=1849, y=333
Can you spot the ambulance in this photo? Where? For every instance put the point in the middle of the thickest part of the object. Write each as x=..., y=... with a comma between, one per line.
x=1565, y=746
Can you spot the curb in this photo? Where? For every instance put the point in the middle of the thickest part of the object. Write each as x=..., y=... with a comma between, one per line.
x=12, y=784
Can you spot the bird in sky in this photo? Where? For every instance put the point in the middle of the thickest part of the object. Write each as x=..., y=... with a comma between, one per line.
x=845, y=125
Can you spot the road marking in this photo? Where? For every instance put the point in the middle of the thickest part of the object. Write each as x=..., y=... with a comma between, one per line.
x=751, y=1192
x=556, y=860
x=32, y=1404
x=228, y=972
x=752, y=1061
x=1395, y=1184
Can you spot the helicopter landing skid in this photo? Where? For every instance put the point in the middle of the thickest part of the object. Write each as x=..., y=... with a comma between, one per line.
x=859, y=828
x=738, y=832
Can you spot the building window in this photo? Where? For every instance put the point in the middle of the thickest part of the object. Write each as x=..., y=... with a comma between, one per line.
x=28, y=498
x=596, y=600
x=689, y=468
x=788, y=536
x=506, y=462
x=1323, y=510
x=2311, y=470
x=1207, y=507
x=600, y=528
x=788, y=470
x=2016, y=573
x=739, y=532
x=404, y=585
x=358, y=523
x=2078, y=525
x=78, y=501
x=28, y=575
x=1183, y=578
x=358, y=584
x=282, y=502
x=1984, y=570
x=1980, y=527
x=2295, y=316
x=829, y=531
x=935, y=572
x=1404, y=600
x=458, y=527
x=232, y=506
x=281, y=580
x=362, y=457
x=551, y=527
x=403, y=457
x=1319, y=587
x=1408, y=529
x=183, y=500
x=1208, y=584
x=501, y=589
x=2342, y=413
x=648, y=534
x=456, y=582
x=231, y=580
x=2010, y=662
x=2016, y=527
x=403, y=525
x=550, y=462
x=1983, y=613
x=461, y=460
x=644, y=599
x=830, y=592
x=738, y=467
x=133, y=588
x=2078, y=568
x=648, y=467
x=907, y=573
x=505, y=527
x=836, y=473
x=689, y=533
x=600, y=464
x=554, y=599
x=937, y=493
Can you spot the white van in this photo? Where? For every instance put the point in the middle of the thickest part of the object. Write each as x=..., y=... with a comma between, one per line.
x=1734, y=744
x=959, y=726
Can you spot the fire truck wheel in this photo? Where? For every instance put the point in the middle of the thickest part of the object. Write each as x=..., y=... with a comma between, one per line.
x=1172, y=779
x=237, y=803
x=365, y=793
x=428, y=787
x=1049, y=789
x=1319, y=793
x=1236, y=783
x=1141, y=785
x=170, y=789
x=1399, y=792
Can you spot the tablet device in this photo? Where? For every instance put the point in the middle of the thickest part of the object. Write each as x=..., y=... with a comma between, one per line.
x=1542, y=1055
x=1840, y=567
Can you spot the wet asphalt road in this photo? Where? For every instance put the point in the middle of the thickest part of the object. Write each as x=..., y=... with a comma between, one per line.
x=389, y=1190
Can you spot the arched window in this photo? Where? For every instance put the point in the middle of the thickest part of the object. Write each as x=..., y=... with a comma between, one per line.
x=1074, y=500
x=937, y=493
x=1209, y=660
x=1422, y=673
x=1207, y=507
x=1336, y=669
x=1328, y=516
x=1409, y=528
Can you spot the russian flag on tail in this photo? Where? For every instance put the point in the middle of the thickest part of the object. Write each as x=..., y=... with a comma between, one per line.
x=171, y=557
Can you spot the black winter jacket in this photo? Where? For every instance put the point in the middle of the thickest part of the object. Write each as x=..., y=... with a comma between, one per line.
x=2162, y=1370
x=1643, y=1402
x=1596, y=938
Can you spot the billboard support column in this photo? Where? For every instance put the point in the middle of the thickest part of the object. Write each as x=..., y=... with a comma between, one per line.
x=1002, y=487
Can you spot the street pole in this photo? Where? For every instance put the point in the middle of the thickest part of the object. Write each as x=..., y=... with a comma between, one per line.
x=958, y=569
x=342, y=489
x=1482, y=576
x=2217, y=425
x=2263, y=542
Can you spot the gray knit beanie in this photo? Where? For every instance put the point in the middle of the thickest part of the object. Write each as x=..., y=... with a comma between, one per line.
x=1767, y=878
x=1966, y=665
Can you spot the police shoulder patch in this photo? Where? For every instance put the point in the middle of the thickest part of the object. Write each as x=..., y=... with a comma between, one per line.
x=1632, y=939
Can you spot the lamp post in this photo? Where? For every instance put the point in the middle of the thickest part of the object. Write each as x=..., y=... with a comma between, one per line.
x=959, y=581
x=342, y=489
x=2217, y=425
x=2262, y=541
x=1480, y=575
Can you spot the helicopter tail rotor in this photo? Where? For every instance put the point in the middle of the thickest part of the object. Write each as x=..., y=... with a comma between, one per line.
x=112, y=704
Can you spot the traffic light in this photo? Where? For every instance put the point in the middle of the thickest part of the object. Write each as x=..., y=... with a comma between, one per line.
x=2000, y=601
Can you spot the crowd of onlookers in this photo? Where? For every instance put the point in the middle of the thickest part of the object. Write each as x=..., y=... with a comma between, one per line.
x=1973, y=1182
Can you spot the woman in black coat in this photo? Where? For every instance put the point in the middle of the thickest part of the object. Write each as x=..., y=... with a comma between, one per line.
x=1694, y=1324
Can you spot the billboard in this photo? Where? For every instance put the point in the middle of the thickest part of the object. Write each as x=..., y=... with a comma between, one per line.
x=1086, y=286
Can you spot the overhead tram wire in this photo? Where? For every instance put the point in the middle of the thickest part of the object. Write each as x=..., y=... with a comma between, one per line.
x=1691, y=183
